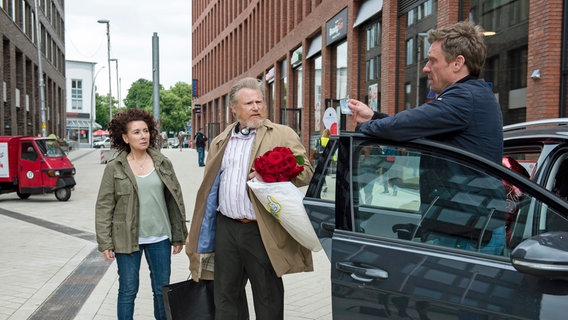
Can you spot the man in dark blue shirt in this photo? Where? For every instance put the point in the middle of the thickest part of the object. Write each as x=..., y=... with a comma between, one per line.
x=465, y=112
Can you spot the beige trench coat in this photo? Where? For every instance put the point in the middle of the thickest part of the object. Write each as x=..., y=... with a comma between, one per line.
x=285, y=253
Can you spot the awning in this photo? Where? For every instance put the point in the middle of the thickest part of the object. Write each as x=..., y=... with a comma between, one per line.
x=315, y=47
x=81, y=124
x=368, y=9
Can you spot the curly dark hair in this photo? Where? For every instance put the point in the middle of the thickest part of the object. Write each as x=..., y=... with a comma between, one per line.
x=118, y=127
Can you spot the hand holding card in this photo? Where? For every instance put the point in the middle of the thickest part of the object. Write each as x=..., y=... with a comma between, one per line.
x=344, y=106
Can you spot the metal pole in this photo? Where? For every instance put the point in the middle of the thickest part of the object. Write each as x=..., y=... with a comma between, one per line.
x=40, y=74
x=109, y=70
x=117, y=83
x=93, y=103
x=156, y=76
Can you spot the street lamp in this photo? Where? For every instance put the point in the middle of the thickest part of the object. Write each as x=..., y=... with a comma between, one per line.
x=117, y=83
x=109, y=71
x=93, y=103
x=41, y=82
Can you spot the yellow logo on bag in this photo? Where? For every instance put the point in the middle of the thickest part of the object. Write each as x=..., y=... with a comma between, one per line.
x=273, y=207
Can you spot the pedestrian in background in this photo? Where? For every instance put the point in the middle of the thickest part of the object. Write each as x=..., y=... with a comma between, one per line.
x=321, y=143
x=181, y=139
x=200, y=141
x=248, y=243
x=139, y=210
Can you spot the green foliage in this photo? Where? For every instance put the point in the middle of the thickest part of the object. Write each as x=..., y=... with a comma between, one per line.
x=139, y=95
x=102, y=111
x=174, y=104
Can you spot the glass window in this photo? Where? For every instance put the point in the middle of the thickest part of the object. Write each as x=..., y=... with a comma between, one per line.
x=298, y=75
x=341, y=71
x=284, y=87
x=317, y=93
x=518, y=60
x=371, y=72
x=427, y=8
x=491, y=71
x=424, y=197
x=370, y=38
x=409, y=51
x=28, y=151
x=76, y=94
x=407, y=91
x=410, y=18
x=519, y=11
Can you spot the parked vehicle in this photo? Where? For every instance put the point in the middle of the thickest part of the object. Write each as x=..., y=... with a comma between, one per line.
x=542, y=148
x=104, y=143
x=33, y=165
x=422, y=230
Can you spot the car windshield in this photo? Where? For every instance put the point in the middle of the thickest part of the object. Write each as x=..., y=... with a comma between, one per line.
x=50, y=148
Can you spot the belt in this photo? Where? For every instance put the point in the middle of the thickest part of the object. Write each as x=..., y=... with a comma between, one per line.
x=244, y=220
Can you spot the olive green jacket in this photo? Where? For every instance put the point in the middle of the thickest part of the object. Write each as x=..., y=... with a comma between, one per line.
x=285, y=253
x=117, y=208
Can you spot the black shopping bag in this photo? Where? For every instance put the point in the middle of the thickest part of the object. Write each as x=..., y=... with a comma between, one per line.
x=189, y=300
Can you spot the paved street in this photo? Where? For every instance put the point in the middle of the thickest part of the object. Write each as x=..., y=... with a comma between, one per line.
x=50, y=268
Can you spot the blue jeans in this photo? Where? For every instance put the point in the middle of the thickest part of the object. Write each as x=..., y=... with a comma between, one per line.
x=201, y=156
x=158, y=257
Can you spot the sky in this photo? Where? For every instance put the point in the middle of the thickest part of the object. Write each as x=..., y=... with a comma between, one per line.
x=132, y=25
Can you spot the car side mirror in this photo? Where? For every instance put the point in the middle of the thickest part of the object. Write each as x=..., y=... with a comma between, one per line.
x=544, y=255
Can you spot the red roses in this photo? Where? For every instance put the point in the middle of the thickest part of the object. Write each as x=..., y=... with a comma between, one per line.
x=278, y=165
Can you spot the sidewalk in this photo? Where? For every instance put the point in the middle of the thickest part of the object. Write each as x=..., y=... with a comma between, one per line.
x=50, y=268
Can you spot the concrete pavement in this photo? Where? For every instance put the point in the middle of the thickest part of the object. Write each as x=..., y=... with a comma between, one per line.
x=50, y=267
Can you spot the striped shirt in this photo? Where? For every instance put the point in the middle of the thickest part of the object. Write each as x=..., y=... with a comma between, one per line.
x=233, y=198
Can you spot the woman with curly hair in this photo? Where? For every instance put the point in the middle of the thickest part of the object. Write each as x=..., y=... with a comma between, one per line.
x=139, y=209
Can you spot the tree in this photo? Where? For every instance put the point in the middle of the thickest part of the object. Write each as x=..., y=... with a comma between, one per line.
x=183, y=90
x=101, y=109
x=140, y=95
x=173, y=114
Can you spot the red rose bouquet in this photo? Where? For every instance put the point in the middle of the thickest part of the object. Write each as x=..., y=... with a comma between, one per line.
x=279, y=165
x=282, y=199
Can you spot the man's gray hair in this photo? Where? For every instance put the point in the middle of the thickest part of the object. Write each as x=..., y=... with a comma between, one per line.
x=245, y=83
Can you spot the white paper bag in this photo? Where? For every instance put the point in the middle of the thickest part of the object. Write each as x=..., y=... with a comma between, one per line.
x=283, y=201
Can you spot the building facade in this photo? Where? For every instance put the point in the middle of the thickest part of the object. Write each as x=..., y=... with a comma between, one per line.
x=312, y=53
x=24, y=112
x=80, y=106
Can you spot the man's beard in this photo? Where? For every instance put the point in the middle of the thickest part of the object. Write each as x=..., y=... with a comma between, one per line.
x=254, y=124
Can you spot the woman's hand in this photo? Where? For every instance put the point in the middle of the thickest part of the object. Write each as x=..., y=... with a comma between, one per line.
x=108, y=254
x=361, y=112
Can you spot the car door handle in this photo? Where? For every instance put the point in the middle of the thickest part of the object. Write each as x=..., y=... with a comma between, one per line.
x=363, y=274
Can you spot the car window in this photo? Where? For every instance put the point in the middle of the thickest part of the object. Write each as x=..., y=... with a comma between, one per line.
x=527, y=156
x=419, y=196
x=325, y=169
x=558, y=181
x=28, y=151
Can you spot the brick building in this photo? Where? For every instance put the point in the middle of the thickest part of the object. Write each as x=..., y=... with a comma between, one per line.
x=312, y=53
x=20, y=93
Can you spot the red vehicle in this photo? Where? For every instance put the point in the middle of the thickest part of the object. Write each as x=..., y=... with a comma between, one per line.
x=35, y=165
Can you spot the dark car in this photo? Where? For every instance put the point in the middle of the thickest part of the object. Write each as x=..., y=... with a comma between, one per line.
x=423, y=230
x=542, y=148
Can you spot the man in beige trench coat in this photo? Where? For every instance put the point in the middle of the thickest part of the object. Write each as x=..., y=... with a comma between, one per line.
x=231, y=227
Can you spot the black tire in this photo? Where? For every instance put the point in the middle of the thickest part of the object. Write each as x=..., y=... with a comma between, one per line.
x=23, y=195
x=63, y=194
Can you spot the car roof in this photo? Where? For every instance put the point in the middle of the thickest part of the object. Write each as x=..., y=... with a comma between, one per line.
x=540, y=130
